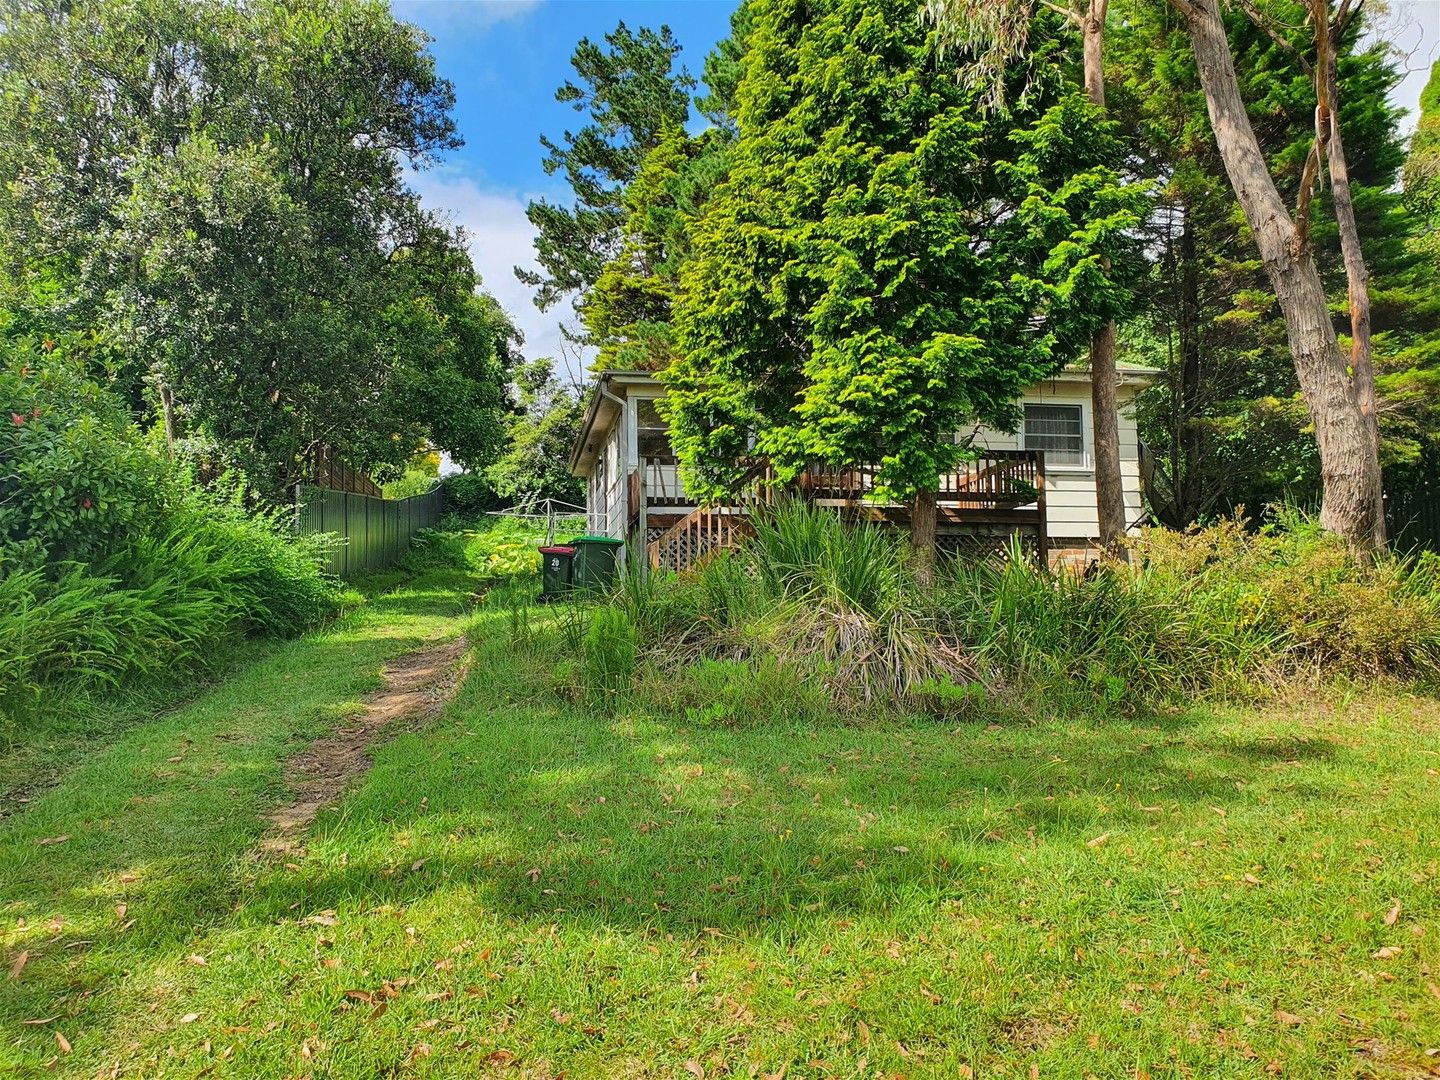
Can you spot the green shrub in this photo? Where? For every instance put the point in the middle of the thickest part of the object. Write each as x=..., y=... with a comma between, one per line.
x=609, y=649
x=1224, y=611
x=207, y=570
x=79, y=478
x=469, y=494
x=415, y=481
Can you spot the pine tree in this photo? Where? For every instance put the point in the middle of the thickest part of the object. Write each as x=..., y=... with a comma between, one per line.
x=631, y=93
x=886, y=264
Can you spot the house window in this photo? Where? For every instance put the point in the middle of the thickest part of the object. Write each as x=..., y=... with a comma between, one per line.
x=1058, y=430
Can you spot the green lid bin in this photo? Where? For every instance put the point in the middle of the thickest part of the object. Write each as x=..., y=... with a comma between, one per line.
x=595, y=561
x=556, y=570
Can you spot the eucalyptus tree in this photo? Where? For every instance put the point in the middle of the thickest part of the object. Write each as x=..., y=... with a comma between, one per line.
x=1335, y=398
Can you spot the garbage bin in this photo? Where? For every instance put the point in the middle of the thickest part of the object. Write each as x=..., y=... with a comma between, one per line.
x=595, y=560
x=556, y=565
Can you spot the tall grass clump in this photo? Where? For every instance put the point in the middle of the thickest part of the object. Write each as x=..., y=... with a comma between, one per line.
x=115, y=564
x=809, y=593
x=1227, y=611
x=1224, y=611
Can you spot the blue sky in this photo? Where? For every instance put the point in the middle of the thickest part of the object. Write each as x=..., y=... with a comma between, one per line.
x=506, y=58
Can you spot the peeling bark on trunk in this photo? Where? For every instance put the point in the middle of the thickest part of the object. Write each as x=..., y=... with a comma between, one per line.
x=1109, y=489
x=1187, y=418
x=1349, y=473
x=922, y=535
x=1357, y=277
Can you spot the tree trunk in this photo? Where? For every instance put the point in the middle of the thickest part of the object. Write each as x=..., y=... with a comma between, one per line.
x=922, y=536
x=1109, y=488
x=1349, y=475
x=167, y=410
x=1187, y=420
x=1357, y=277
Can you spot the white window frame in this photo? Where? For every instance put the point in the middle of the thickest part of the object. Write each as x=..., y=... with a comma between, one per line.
x=1087, y=461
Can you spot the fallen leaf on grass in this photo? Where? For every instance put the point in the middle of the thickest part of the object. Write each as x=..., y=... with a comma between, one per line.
x=46, y=841
x=198, y=960
x=320, y=918
x=1393, y=915
x=1099, y=841
x=41, y=1022
x=1386, y=953
x=533, y=873
x=19, y=964
x=695, y=1069
x=120, y=910
x=62, y=1042
x=1251, y=879
x=189, y=1018
x=1289, y=1019
x=965, y=1072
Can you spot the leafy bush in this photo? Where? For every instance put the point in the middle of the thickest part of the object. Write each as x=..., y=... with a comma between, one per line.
x=504, y=548
x=168, y=598
x=469, y=494
x=609, y=649
x=833, y=601
x=415, y=481
x=78, y=477
x=1224, y=611
x=115, y=563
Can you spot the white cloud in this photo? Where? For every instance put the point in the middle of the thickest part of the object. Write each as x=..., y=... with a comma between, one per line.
x=500, y=238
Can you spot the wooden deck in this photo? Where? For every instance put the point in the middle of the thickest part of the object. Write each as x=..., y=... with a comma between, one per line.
x=998, y=490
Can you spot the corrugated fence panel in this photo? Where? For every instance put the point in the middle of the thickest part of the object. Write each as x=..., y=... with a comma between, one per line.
x=376, y=532
x=1415, y=522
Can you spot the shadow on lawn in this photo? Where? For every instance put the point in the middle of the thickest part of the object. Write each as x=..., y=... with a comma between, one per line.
x=145, y=844
x=544, y=813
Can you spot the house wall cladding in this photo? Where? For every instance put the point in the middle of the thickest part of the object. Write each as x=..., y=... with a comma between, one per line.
x=375, y=532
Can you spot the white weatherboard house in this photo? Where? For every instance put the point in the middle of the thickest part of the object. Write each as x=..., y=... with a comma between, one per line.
x=1039, y=482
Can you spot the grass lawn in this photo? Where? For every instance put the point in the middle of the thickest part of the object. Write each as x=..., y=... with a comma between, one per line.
x=528, y=887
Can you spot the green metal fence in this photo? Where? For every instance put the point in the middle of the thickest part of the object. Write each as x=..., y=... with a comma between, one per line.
x=376, y=531
x=1415, y=521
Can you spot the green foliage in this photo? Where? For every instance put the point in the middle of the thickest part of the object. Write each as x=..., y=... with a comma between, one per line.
x=885, y=264
x=630, y=92
x=75, y=476
x=833, y=602
x=413, y=482
x=469, y=494
x=536, y=462
x=1222, y=611
x=222, y=188
x=628, y=312
x=164, y=599
x=499, y=548
x=116, y=565
x=609, y=649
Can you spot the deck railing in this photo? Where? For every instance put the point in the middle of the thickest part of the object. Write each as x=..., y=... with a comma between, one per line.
x=996, y=479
